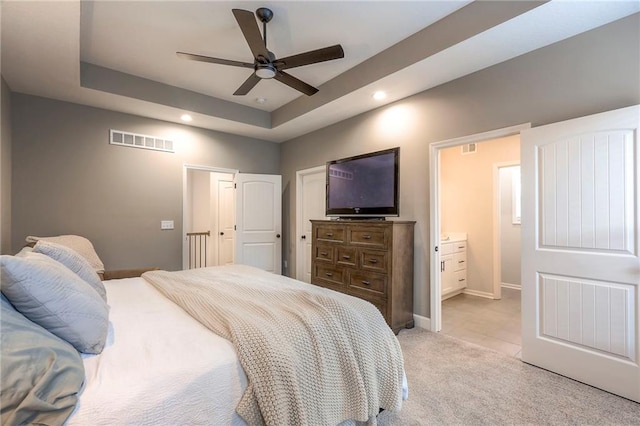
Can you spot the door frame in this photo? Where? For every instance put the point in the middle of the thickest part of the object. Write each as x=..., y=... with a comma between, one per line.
x=185, y=203
x=434, y=210
x=299, y=247
x=497, y=226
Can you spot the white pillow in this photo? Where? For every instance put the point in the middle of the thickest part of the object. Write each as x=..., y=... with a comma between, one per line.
x=77, y=243
x=52, y=296
x=72, y=260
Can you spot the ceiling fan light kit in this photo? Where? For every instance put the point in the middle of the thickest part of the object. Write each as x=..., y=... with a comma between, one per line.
x=266, y=71
x=265, y=65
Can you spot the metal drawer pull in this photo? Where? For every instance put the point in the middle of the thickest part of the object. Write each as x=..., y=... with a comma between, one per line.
x=461, y=279
x=329, y=234
x=460, y=246
x=373, y=260
x=460, y=261
x=323, y=253
x=366, y=237
x=346, y=256
x=329, y=274
x=365, y=282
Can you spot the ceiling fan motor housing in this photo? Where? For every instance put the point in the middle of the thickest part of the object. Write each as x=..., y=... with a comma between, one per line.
x=264, y=14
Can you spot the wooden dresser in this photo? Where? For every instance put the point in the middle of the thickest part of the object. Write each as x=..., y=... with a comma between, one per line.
x=370, y=259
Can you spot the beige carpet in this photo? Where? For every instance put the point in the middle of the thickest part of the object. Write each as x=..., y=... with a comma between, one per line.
x=452, y=382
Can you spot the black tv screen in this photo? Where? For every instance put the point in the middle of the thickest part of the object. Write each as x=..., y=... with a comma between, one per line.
x=364, y=185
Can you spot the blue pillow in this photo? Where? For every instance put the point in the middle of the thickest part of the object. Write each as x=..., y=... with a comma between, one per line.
x=41, y=373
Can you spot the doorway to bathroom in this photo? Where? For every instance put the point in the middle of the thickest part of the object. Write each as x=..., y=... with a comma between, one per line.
x=478, y=261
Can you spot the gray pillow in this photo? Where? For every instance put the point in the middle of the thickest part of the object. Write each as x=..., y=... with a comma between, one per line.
x=41, y=373
x=74, y=261
x=79, y=244
x=52, y=296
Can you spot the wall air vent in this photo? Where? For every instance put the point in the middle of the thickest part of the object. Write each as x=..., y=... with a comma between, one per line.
x=470, y=148
x=135, y=140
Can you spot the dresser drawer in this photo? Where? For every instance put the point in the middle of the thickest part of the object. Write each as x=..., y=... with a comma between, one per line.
x=324, y=253
x=330, y=232
x=346, y=256
x=368, y=236
x=374, y=260
x=329, y=274
x=369, y=281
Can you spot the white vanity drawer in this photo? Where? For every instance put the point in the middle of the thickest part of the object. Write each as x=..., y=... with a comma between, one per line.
x=459, y=246
x=459, y=261
x=460, y=278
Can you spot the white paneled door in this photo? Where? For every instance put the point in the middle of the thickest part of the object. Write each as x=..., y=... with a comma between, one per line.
x=258, y=221
x=580, y=263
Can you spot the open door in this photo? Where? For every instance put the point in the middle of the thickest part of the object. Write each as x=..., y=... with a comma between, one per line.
x=580, y=264
x=259, y=221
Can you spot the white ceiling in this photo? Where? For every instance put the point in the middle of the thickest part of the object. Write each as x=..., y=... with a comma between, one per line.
x=43, y=44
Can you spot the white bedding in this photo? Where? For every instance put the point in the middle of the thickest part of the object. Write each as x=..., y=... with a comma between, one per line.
x=160, y=366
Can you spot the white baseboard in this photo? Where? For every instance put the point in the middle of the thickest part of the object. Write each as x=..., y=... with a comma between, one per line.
x=478, y=293
x=513, y=286
x=422, y=322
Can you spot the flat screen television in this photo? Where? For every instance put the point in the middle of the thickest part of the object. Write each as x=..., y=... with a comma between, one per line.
x=364, y=186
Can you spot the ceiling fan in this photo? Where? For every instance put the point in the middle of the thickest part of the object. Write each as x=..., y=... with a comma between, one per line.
x=265, y=64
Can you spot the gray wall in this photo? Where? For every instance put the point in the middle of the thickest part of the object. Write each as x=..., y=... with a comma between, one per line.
x=68, y=179
x=5, y=168
x=593, y=72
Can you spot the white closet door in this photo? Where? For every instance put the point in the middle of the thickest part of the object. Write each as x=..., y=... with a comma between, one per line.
x=259, y=221
x=311, y=205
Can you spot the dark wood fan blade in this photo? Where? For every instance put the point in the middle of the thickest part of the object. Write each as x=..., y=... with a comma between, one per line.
x=247, y=85
x=293, y=82
x=251, y=31
x=209, y=59
x=311, y=57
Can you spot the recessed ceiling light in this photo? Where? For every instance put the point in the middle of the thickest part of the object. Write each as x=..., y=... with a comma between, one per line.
x=261, y=101
x=379, y=95
x=186, y=117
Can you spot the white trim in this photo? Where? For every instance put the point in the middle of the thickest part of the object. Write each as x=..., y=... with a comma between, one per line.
x=209, y=168
x=299, y=225
x=434, y=209
x=185, y=168
x=497, y=249
x=478, y=293
x=512, y=286
x=422, y=322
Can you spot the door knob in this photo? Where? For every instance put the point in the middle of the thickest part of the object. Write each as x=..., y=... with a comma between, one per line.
x=304, y=237
x=221, y=233
x=277, y=235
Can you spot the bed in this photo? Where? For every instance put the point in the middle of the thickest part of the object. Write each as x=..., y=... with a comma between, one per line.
x=161, y=365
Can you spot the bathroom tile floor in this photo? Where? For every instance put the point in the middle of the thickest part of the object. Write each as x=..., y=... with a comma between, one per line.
x=494, y=324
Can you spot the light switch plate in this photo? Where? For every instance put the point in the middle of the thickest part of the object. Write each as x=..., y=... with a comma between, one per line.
x=166, y=224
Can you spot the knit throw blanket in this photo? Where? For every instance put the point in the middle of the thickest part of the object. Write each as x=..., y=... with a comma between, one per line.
x=312, y=356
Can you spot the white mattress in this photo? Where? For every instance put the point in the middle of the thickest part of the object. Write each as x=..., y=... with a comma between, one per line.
x=160, y=366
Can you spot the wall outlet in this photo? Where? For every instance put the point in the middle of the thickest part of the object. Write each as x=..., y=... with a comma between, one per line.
x=166, y=224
